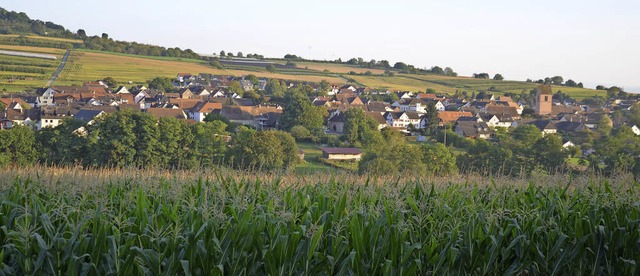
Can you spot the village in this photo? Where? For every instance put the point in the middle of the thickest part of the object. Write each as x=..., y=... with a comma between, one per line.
x=196, y=96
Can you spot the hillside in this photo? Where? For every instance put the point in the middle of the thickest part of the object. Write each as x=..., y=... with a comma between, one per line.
x=86, y=65
x=96, y=57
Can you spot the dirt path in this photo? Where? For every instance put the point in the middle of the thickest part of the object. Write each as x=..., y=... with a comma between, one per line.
x=55, y=75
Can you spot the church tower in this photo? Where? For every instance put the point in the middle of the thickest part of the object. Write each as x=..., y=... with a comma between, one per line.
x=544, y=100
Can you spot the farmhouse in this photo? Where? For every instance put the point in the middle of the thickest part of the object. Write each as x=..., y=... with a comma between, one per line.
x=341, y=153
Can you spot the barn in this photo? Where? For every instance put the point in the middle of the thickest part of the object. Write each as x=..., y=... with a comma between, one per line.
x=341, y=153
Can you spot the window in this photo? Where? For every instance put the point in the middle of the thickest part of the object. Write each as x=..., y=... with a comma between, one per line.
x=546, y=98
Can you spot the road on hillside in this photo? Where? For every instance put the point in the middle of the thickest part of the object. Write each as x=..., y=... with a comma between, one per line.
x=55, y=75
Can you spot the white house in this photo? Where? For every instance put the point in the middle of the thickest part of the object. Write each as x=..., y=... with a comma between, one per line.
x=46, y=99
x=403, y=119
x=48, y=121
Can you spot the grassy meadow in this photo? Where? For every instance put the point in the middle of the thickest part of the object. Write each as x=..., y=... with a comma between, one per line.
x=69, y=221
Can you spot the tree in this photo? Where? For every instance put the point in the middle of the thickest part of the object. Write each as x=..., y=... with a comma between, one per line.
x=439, y=160
x=437, y=70
x=571, y=83
x=251, y=94
x=481, y=75
x=111, y=82
x=549, y=153
x=216, y=64
x=604, y=125
x=263, y=150
x=274, y=88
x=161, y=83
x=557, y=80
x=300, y=133
x=323, y=87
x=235, y=87
x=400, y=66
x=105, y=36
x=208, y=146
x=360, y=128
x=271, y=68
x=174, y=139
x=81, y=33
x=498, y=77
x=114, y=140
x=432, y=117
x=18, y=146
x=222, y=53
x=298, y=110
x=240, y=55
x=449, y=72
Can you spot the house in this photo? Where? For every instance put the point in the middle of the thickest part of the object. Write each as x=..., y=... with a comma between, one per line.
x=568, y=127
x=200, y=91
x=402, y=120
x=46, y=98
x=122, y=90
x=336, y=122
x=185, y=93
x=546, y=126
x=377, y=116
x=49, y=121
x=247, y=85
x=182, y=77
x=635, y=129
x=185, y=104
x=167, y=113
x=267, y=121
x=473, y=130
x=449, y=117
x=218, y=94
x=238, y=115
x=202, y=109
x=341, y=153
x=88, y=115
x=568, y=144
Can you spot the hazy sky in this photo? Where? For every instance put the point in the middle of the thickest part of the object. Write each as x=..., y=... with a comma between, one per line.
x=594, y=42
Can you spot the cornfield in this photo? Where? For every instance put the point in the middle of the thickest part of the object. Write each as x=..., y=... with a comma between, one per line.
x=75, y=222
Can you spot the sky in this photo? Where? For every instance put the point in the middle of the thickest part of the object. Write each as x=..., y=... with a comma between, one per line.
x=594, y=42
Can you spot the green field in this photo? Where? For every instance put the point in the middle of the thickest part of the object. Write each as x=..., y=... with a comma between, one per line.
x=20, y=73
x=311, y=164
x=220, y=222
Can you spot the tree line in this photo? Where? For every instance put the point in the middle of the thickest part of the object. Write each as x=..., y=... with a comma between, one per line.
x=135, y=139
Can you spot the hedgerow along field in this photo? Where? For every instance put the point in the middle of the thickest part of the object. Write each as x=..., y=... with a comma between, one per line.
x=126, y=222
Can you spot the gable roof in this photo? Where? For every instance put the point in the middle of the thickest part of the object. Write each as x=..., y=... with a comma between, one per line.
x=543, y=124
x=473, y=129
x=349, y=151
x=167, y=112
x=206, y=107
x=452, y=116
x=86, y=115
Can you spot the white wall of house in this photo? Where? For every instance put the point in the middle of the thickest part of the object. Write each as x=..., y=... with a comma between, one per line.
x=344, y=156
x=48, y=122
x=47, y=98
